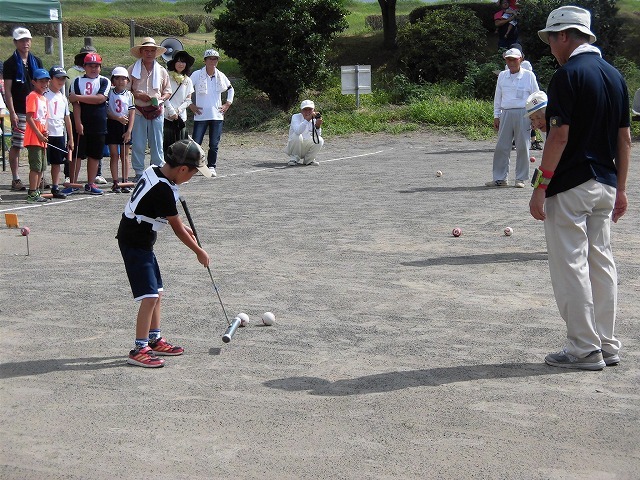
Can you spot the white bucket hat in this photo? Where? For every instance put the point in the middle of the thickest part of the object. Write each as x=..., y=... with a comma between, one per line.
x=567, y=17
x=535, y=102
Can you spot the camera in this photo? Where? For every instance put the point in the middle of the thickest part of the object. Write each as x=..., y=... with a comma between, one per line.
x=317, y=115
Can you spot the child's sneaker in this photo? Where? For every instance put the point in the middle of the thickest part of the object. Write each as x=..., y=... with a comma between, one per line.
x=69, y=190
x=92, y=189
x=125, y=189
x=144, y=358
x=35, y=197
x=162, y=347
x=17, y=186
x=57, y=193
x=116, y=189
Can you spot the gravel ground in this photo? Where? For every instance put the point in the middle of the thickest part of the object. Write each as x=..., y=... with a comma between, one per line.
x=398, y=350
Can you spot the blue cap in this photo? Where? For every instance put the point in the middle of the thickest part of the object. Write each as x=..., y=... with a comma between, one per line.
x=41, y=73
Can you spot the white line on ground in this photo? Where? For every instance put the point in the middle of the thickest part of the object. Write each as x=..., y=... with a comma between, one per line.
x=87, y=197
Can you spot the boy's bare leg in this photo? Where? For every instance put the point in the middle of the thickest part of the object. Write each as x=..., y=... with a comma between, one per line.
x=146, y=315
x=55, y=174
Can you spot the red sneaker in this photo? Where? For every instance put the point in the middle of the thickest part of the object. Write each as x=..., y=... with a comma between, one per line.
x=162, y=347
x=144, y=358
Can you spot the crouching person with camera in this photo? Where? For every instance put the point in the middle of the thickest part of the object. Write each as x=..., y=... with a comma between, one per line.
x=305, y=135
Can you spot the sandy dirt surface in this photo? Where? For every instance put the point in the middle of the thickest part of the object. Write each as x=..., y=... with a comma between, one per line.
x=398, y=351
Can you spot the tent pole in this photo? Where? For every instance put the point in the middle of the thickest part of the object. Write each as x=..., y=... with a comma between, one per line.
x=60, y=40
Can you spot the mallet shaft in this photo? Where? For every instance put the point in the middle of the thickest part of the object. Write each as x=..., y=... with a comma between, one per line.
x=231, y=330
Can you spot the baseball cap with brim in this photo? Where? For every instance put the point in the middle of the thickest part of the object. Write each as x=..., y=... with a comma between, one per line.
x=211, y=53
x=41, y=73
x=512, y=53
x=20, y=33
x=567, y=17
x=535, y=102
x=90, y=58
x=307, y=104
x=58, y=72
x=188, y=152
x=120, y=72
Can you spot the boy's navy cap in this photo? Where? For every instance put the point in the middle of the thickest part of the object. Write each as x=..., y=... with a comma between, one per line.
x=188, y=152
x=40, y=73
x=58, y=72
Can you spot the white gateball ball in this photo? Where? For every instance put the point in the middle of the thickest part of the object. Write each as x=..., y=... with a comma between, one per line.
x=244, y=319
x=268, y=318
x=438, y=173
x=508, y=231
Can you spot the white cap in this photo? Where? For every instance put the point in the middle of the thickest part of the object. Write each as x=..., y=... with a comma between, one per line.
x=307, y=104
x=20, y=33
x=211, y=53
x=512, y=53
x=535, y=102
x=120, y=72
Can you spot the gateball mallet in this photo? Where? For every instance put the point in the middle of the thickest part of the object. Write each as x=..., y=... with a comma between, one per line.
x=231, y=326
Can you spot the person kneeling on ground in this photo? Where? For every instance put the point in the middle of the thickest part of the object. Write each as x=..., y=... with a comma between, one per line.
x=151, y=207
x=305, y=135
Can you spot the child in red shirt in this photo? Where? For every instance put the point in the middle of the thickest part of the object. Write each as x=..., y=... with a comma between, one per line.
x=36, y=135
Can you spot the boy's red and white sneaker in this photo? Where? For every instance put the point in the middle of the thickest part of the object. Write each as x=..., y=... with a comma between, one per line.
x=162, y=347
x=145, y=357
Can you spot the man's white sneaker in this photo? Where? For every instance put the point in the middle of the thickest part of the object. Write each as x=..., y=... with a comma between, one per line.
x=100, y=180
x=564, y=359
x=213, y=171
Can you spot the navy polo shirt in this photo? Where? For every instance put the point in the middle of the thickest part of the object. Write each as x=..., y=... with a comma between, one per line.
x=591, y=97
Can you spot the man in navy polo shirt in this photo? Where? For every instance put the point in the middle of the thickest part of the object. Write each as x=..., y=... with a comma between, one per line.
x=581, y=186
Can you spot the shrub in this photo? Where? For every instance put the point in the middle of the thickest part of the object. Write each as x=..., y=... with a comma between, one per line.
x=160, y=27
x=484, y=12
x=439, y=46
x=193, y=21
x=97, y=27
x=291, y=39
x=604, y=23
x=209, y=23
x=480, y=80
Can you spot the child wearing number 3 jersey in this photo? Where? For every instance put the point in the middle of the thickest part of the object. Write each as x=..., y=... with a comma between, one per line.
x=120, y=118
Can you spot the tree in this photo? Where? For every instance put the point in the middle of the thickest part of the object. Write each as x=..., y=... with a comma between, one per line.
x=441, y=45
x=389, y=25
x=280, y=45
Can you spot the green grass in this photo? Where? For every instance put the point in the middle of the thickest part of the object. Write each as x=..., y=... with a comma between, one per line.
x=441, y=107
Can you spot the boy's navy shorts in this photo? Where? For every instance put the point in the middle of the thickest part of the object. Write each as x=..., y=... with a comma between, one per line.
x=143, y=271
x=92, y=145
x=54, y=155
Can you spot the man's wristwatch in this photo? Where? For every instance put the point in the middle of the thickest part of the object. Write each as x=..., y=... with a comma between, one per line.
x=541, y=178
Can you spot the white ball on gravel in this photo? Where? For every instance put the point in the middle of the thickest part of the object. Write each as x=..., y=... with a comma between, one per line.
x=268, y=318
x=508, y=231
x=244, y=319
x=438, y=173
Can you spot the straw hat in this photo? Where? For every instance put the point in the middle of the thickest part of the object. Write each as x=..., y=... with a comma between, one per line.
x=147, y=42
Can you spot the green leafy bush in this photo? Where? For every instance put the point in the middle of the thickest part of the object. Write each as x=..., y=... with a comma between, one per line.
x=193, y=21
x=209, y=23
x=160, y=27
x=439, y=46
x=96, y=27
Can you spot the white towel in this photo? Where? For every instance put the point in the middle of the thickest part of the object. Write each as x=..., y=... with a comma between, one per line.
x=157, y=73
x=202, y=86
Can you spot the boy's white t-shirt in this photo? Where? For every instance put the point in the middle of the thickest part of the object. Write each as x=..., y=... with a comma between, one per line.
x=58, y=109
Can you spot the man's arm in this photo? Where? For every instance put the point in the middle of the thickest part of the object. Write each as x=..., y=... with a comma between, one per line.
x=8, y=97
x=553, y=148
x=623, y=156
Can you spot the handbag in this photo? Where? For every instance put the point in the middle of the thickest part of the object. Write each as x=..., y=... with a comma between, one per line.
x=150, y=112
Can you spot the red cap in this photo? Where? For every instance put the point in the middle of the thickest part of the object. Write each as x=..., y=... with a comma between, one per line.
x=92, y=58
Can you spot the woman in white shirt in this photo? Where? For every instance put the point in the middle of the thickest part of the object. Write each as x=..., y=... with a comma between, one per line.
x=175, y=109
